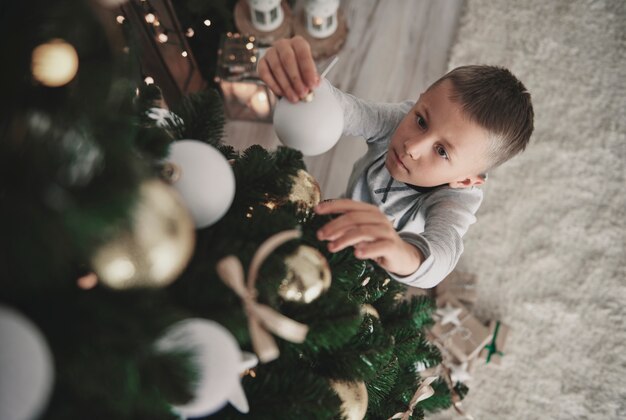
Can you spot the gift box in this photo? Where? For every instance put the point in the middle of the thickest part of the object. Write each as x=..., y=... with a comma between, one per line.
x=457, y=330
x=461, y=285
x=494, y=350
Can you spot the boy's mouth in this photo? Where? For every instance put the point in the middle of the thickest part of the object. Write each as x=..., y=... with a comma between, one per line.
x=399, y=161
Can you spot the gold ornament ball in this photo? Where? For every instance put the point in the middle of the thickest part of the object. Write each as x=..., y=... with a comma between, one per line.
x=308, y=275
x=353, y=396
x=305, y=191
x=155, y=249
x=369, y=310
x=54, y=63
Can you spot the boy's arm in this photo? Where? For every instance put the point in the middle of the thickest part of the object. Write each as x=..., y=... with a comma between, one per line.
x=365, y=227
x=417, y=259
x=448, y=215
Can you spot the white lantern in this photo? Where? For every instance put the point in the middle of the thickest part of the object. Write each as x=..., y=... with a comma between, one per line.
x=321, y=17
x=266, y=15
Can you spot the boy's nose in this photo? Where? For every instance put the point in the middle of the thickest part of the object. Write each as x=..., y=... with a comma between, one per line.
x=413, y=148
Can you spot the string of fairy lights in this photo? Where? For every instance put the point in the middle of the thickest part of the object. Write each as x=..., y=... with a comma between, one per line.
x=161, y=32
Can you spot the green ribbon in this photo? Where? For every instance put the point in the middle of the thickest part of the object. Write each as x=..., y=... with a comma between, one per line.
x=491, y=347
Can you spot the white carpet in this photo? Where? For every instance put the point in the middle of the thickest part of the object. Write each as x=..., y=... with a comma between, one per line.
x=549, y=246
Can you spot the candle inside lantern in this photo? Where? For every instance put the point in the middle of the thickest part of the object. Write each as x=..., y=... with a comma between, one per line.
x=260, y=104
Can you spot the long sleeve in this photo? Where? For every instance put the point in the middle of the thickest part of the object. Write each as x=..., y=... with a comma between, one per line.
x=370, y=120
x=447, y=214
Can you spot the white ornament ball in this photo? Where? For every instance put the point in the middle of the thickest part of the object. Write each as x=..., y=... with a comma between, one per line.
x=310, y=127
x=206, y=180
x=219, y=361
x=54, y=63
x=26, y=367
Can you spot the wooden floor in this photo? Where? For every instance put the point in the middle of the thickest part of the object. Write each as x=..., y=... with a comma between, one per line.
x=394, y=50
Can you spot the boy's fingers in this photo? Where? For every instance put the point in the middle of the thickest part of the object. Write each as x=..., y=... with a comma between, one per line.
x=374, y=250
x=308, y=70
x=276, y=67
x=342, y=206
x=366, y=233
x=331, y=230
x=266, y=75
x=290, y=65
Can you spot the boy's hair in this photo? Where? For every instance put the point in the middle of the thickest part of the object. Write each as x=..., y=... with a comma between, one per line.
x=496, y=100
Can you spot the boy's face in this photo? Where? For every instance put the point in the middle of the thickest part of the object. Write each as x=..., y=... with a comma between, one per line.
x=436, y=144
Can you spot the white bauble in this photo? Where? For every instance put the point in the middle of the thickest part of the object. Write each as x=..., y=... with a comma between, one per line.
x=26, y=368
x=219, y=362
x=310, y=127
x=206, y=181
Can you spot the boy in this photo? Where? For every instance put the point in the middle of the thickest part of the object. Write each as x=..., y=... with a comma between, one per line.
x=413, y=195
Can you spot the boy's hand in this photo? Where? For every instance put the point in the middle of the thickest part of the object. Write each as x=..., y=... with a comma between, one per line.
x=288, y=68
x=366, y=228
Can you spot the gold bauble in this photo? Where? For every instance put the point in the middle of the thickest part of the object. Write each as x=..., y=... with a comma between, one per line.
x=353, y=396
x=305, y=191
x=369, y=310
x=54, y=63
x=157, y=246
x=308, y=275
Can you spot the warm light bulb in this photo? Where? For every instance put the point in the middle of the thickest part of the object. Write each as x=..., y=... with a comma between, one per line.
x=184, y=53
x=189, y=32
x=149, y=80
x=157, y=23
x=253, y=59
x=54, y=63
x=207, y=22
x=162, y=38
x=120, y=19
x=249, y=45
x=150, y=18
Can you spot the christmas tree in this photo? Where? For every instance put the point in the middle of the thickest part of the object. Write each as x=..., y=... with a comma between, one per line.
x=102, y=266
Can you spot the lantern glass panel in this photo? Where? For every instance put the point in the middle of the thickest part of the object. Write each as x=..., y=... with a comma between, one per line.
x=329, y=21
x=260, y=16
x=273, y=14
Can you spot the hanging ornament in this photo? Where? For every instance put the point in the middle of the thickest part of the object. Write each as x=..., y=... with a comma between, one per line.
x=353, y=396
x=305, y=191
x=26, y=365
x=157, y=246
x=54, y=63
x=308, y=275
x=262, y=319
x=367, y=309
x=311, y=127
x=206, y=181
x=219, y=362
x=305, y=194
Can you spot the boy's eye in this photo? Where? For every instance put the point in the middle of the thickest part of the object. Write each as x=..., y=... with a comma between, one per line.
x=421, y=122
x=441, y=151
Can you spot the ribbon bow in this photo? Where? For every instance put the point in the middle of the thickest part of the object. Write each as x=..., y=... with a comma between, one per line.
x=491, y=347
x=261, y=318
x=423, y=392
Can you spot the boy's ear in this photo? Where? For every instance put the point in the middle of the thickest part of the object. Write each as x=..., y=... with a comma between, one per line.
x=469, y=182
